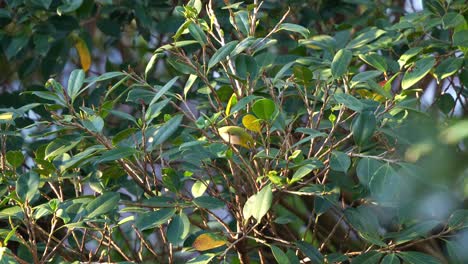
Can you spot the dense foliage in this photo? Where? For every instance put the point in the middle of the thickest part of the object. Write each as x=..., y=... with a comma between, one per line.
x=253, y=132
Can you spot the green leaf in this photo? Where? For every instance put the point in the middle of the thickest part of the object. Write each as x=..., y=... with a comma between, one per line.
x=197, y=33
x=366, y=168
x=246, y=67
x=16, y=45
x=339, y=161
x=178, y=229
x=408, y=55
x=103, y=204
x=222, y=53
x=75, y=82
x=190, y=81
x=371, y=257
x=94, y=123
x=451, y=20
x=390, y=259
x=69, y=6
x=340, y=63
x=232, y=102
x=61, y=145
x=154, y=110
x=242, y=22
x=305, y=170
x=163, y=90
x=375, y=60
x=165, y=131
x=198, y=189
x=363, y=127
x=417, y=72
x=202, y=259
x=258, y=204
x=295, y=28
x=384, y=185
x=279, y=255
x=154, y=219
x=448, y=68
x=310, y=251
x=460, y=38
x=27, y=186
x=208, y=202
x=413, y=257
x=152, y=62
x=459, y=219
x=365, y=37
x=15, y=158
x=116, y=154
x=349, y=101
x=264, y=109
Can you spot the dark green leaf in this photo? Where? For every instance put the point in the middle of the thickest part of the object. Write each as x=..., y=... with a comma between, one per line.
x=258, y=204
x=310, y=251
x=102, y=205
x=412, y=257
x=339, y=161
x=390, y=259
x=61, y=145
x=178, y=229
x=246, y=67
x=366, y=168
x=448, y=68
x=69, y=6
x=460, y=38
x=197, y=33
x=371, y=257
x=341, y=62
x=116, y=154
x=295, y=28
x=15, y=158
x=349, y=101
x=74, y=83
x=165, y=131
x=208, y=202
x=306, y=170
x=151, y=220
x=222, y=53
x=375, y=60
x=264, y=109
x=417, y=72
x=27, y=186
x=363, y=127
x=279, y=255
x=163, y=90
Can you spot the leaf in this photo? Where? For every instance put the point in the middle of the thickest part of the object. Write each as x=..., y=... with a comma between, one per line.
x=15, y=158
x=190, y=81
x=94, y=123
x=27, y=186
x=310, y=251
x=371, y=257
x=460, y=38
x=448, y=68
x=279, y=255
x=451, y=20
x=150, y=220
x=232, y=102
x=198, y=189
x=208, y=241
x=178, y=229
x=282, y=71
x=363, y=77
x=339, y=161
x=252, y=123
x=208, y=202
x=365, y=37
x=222, y=53
x=202, y=259
x=237, y=136
x=163, y=90
x=306, y=170
x=459, y=219
x=413, y=257
x=408, y=55
x=258, y=204
x=6, y=116
x=69, y=6
x=103, y=204
x=16, y=45
x=295, y=28
x=197, y=33
x=84, y=54
x=375, y=60
x=61, y=145
x=75, y=82
x=349, y=101
x=456, y=132
x=384, y=185
x=363, y=127
x=246, y=67
x=417, y=72
x=116, y=154
x=390, y=259
x=264, y=109
x=165, y=131
x=366, y=168
x=340, y=63
x=151, y=63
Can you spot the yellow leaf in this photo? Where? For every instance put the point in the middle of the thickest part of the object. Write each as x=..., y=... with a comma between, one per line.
x=232, y=102
x=236, y=136
x=83, y=52
x=6, y=116
x=252, y=123
x=208, y=241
